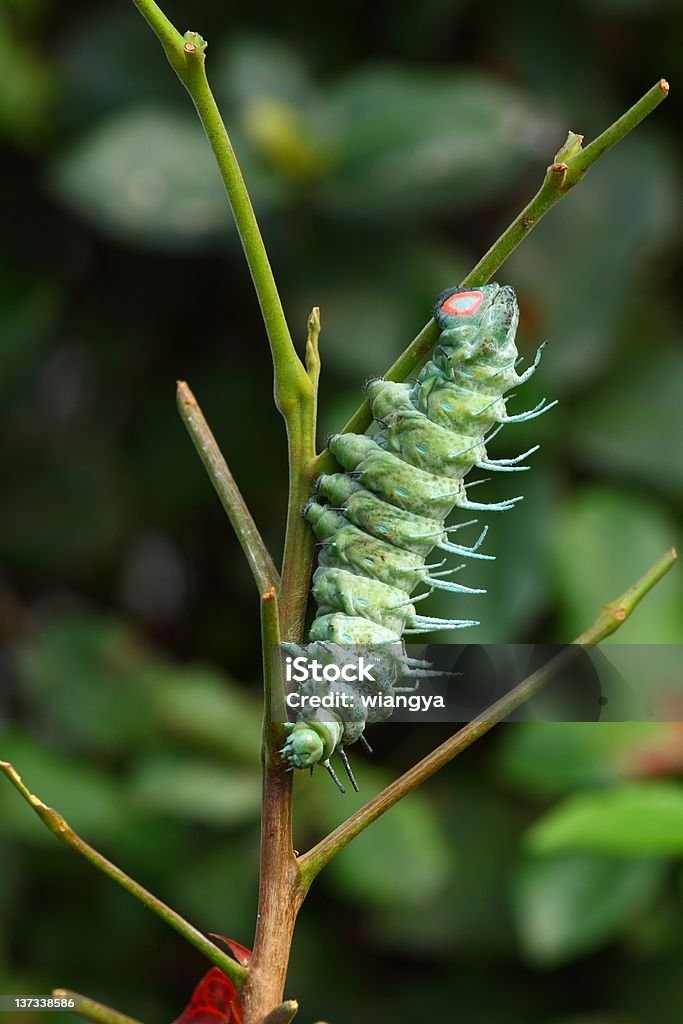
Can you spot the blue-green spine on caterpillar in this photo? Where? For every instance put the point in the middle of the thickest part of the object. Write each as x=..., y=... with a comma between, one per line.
x=379, y=520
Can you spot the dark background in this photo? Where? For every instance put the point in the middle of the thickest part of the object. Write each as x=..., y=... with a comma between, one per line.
x=385, y=147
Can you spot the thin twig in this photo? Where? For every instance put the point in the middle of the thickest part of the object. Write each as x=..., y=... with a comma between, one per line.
x=263, y=570
x=569, y=166
x=63, y=831
x=92, y=1010
x=611, y=617
x=312, y=350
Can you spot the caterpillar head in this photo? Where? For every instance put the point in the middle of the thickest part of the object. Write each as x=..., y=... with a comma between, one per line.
x=304, y=746
x=464, y=311
x=311, y=742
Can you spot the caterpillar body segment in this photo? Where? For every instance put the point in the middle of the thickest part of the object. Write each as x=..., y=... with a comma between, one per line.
x=378, y=521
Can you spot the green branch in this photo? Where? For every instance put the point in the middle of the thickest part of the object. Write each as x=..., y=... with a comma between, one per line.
x=611, y=617
x=63, y=831
x=169, y=37
x=299, y=540
x=274, y=709
x=294, y=386
x=187, y=55
x=569, y=166
x=263, y=570
x=92, y=1010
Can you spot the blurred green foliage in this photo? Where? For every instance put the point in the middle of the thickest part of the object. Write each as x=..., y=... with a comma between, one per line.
x=536, y=879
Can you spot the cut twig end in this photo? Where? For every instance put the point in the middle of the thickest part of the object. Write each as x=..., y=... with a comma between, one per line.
x=184, y=395
x=194, y=43
x=283, y=1013
x=664, y=86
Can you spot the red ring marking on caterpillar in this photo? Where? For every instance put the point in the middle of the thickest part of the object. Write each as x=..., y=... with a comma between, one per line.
x=463, y=303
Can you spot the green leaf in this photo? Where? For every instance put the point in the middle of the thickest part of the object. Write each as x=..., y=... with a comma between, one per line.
x=196, y=791
x=85, y=675
x=91, y=802
x=403, y=860
x=222, y=882
x=634, y=819
x=603, y=540
x=407, y=141
x=570, y=905
x=480, y=828
x=147, y=176
x=583, y=306
x=28, y=87
x=551, y=758
x=258, y=66
x=202, y=708
x=627, y=427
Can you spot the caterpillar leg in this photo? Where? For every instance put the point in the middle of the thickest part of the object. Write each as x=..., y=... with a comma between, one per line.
x=507, y=465
x=471, y=552
x=364, y=744
x=498, y=506
x=524, y=377
x=347, y=768
x=333, y=775
x=530, y=414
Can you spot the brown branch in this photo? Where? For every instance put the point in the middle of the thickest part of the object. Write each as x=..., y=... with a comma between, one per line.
x=280, y=890
x=263, y=570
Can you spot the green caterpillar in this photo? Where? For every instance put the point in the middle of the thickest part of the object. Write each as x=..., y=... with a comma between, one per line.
x=379, y=520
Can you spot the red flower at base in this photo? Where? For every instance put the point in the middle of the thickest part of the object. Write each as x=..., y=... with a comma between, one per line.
x=215, y=999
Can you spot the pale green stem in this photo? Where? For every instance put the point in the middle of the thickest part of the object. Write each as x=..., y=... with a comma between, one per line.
x=92, y=1010
x=611, y=617
x=63, y=831
x=263, y=570
x=293, y=387
x=569, y=166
